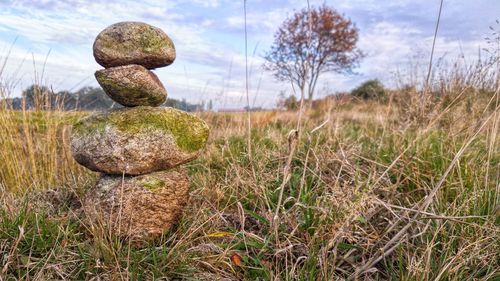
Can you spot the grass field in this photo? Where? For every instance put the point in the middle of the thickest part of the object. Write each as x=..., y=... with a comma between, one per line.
x=396, y=190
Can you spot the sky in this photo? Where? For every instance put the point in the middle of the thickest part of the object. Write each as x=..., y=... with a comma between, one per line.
x=50, y=41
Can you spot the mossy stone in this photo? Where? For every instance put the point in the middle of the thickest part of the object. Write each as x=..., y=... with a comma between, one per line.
x=132, y=85
x=139, y=43
x=138, y=208
x=138, y=140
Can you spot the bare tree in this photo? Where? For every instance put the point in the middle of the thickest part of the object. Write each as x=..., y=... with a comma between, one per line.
x=312, y=42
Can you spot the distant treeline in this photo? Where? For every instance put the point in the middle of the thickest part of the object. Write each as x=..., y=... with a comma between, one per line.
x=86, y=99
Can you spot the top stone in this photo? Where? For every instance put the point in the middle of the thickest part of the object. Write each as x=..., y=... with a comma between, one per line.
x=133, y=43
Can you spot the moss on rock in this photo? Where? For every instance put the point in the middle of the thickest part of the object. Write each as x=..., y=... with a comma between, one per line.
x=152, y=41
x=133, y=43
x=151, y=183
x=189, y=132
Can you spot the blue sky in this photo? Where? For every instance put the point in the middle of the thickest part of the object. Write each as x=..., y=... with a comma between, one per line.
x=209, y=36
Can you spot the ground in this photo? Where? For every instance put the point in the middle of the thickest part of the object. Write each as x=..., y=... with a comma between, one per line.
x=369, y=190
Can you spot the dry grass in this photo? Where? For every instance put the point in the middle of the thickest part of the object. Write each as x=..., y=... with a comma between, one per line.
x=355, y=183
x=35, y=151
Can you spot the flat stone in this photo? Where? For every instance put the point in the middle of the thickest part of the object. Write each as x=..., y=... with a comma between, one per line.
x=132, y=85
x=133, y=43
x=138, y=208
x=137, y=140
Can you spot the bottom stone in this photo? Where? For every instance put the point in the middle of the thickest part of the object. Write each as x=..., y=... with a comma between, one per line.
x=138, y=208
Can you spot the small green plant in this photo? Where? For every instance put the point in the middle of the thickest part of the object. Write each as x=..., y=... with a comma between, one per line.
x=370, y=90
x=289, y=103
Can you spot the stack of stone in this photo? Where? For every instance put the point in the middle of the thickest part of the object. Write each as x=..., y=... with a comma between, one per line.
x=138, y=148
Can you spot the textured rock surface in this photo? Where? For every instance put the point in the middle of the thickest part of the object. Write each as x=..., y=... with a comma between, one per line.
x=132, y=85
x=133, y=43
x=137, y=140
x=141, y=207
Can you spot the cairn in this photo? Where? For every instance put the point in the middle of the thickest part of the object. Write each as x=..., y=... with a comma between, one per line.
x=138, y=148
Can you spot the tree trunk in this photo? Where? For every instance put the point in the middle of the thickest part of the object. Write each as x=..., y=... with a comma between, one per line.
x=310, y=98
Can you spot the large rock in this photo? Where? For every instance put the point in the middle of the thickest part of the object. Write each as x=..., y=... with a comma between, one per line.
x=137, y=140
x=132, y=85
x=138, y=208
x=133, y=43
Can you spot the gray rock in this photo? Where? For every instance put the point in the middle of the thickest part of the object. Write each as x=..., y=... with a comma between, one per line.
x=138, y=208
x=132, y=85
x=133, y=43
x=137, y=140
